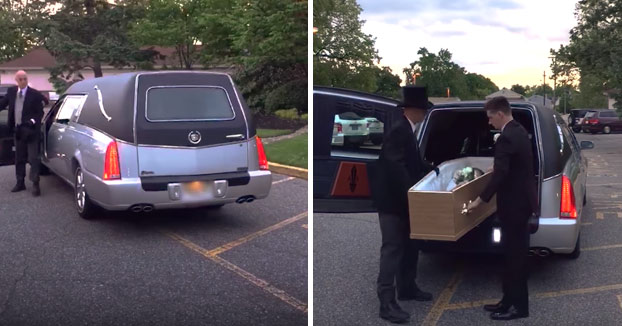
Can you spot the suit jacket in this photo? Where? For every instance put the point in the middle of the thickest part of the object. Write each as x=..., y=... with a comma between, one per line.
x=513, y=178
x=400, y=166
x=33, y=106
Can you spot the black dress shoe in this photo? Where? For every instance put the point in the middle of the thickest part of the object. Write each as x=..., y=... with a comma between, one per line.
x=497, y=307
x=36, y=191
x=512, y=313
x=394, y=313
x=19, y=187
x=414, y=294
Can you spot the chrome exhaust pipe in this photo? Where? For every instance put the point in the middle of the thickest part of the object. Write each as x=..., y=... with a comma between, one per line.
x=148, y=208
x=532, y=252
x=241, y=200
x=544, y=252
x=250, y=199
x=137, y=208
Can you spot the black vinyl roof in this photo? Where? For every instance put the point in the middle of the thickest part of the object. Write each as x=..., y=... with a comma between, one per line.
x=119, y=98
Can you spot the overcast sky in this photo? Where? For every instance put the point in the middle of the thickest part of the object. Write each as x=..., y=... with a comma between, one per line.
x=507, y=41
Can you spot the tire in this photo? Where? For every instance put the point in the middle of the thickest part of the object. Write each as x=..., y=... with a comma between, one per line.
x=85, y=207
x=606, y=130
x=576, y=130
x=577, y=249
x=593, y=132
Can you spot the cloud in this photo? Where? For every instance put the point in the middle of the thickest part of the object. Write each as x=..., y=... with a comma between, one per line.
x=505, y=40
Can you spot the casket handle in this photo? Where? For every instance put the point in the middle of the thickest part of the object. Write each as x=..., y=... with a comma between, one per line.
x=465, y=210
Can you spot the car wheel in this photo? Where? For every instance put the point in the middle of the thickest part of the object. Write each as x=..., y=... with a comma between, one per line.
x=593, y=132
x=577, y=249
x=606, y=129
x=86, y=208
x=576, y=130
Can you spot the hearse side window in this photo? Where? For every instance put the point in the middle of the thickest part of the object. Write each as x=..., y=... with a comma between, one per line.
x=70, y=108
x=188, y=104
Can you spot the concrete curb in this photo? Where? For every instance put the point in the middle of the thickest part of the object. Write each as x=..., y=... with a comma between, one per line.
x=289, y=170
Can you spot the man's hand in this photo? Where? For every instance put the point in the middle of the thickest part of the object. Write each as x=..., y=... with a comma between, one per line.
x=474, y=204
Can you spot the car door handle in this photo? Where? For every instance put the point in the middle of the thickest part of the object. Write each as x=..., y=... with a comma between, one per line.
x=236, y=136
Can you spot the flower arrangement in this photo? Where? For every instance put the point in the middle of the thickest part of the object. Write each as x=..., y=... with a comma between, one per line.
x=466, y=175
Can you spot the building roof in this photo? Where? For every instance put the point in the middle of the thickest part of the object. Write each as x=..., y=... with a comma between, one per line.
x=509, y=94
x=439, y=100
x=40, y=57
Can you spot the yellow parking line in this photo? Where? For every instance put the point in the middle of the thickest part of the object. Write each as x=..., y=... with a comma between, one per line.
x=620, y=300
x=599, y=215
x=619, y=214
x=588, y=223
x=603, y=247
x=443, y=299
x=543, y=295
x=250, y=237
x=305, y=226
x=282, y=180
x=264, y=285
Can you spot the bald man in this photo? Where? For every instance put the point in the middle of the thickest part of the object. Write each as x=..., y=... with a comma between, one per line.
x=25, y=114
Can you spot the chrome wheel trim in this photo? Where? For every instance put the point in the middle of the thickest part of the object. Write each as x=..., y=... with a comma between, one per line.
x=80, y=191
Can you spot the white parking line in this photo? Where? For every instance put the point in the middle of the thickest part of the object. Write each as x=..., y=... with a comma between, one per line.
x=282, y=180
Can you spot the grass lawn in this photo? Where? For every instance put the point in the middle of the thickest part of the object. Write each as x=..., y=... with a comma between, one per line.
x=265, y=133
x=289, y=151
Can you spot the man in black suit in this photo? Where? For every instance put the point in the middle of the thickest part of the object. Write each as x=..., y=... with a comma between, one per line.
x=25, y=115
x=513, y=180
x=400, y=166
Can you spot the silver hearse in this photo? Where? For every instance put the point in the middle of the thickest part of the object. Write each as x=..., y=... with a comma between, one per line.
x=450, y=131
x=145, y=141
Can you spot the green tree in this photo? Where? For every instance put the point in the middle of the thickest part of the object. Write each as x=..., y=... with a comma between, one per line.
x=478, y=87
x=343, y=56
x=437, y=72
x=88, y=34
x=271, y=39
x=18, y=35
x=171, y=23
x=595, y=50
x=387, y=83
x=519, y=89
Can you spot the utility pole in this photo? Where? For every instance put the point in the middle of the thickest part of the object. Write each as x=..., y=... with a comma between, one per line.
x=544, y=89
x=555, y=83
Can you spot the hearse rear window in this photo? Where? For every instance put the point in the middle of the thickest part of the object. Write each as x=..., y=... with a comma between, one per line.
x=188, y=103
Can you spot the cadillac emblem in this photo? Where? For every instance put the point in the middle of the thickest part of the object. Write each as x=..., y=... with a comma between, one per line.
x=194, y=137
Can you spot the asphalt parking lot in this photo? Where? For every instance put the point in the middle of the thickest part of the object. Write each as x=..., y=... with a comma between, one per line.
x=586, y=291
x=241, y=264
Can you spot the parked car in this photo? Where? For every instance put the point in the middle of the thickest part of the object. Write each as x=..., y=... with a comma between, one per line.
x=453, y=130
x=575, y=118
x=376, y=130
x=354, y=128
x=603, y=120
x=145, y=141
x=337, y=134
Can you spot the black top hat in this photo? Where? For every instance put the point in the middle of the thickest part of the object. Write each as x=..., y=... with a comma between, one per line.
x=415, y=97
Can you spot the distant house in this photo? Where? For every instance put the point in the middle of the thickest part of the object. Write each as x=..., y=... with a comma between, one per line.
x=439, y=100
x=37, y=62
x=509, y=94
x=540, y=100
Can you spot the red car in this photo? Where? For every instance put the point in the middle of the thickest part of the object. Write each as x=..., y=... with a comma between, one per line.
x=604, y=121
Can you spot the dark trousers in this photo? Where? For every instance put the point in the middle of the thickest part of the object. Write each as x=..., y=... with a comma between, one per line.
x=515, y=239
x=27, y=150
x=398, y=256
